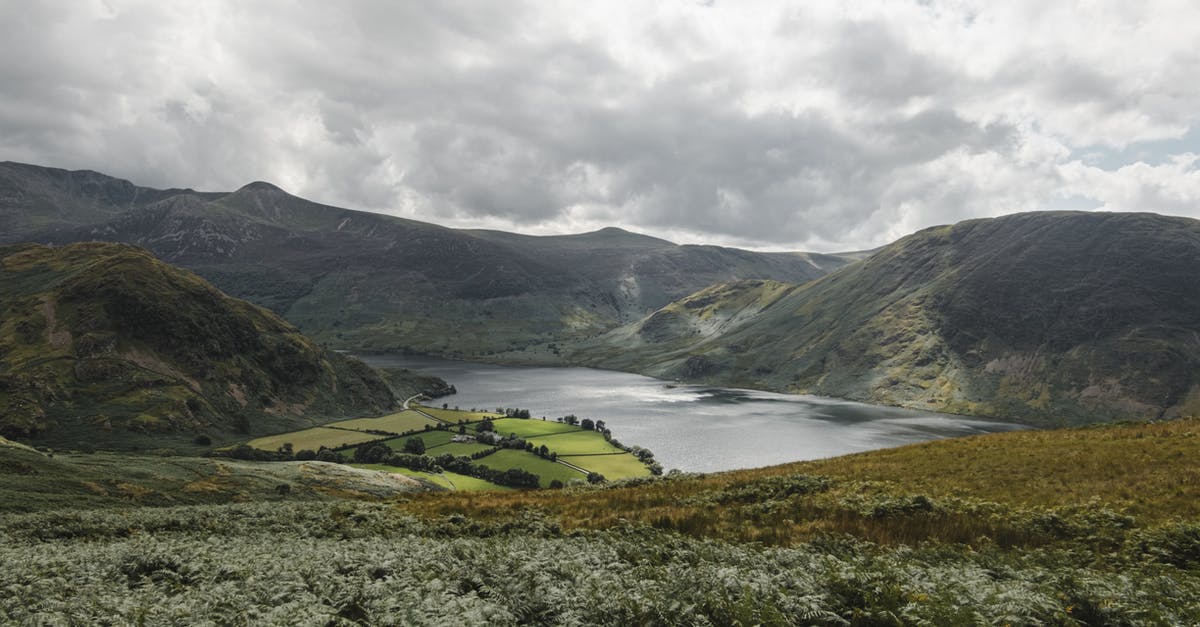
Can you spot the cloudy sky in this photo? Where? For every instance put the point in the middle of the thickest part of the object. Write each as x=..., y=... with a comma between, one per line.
x=773, y=125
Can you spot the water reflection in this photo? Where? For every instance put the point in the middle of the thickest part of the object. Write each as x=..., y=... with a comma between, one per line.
x=694, y=428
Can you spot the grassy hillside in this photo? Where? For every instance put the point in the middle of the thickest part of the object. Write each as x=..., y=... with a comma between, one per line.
x=31, y=481
x=367, y=281
x=1046, y=318
x=1027, y=488
x=103, y=345
x=946, y=533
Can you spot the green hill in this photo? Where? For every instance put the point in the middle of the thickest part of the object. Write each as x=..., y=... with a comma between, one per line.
x=103, y=345
x=1043, y=318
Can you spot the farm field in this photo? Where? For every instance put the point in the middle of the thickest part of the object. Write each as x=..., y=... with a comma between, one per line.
x=457, y=449
x=400, y=422
x=464, y=483
x=576, y=443
x=531, y=427
x=431, y=439
x=545, y=469
x=454, y=417
x=585, y=449
x=621, y=466
x=313, y=439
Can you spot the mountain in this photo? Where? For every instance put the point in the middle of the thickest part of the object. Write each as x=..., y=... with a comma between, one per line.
x=104, y=345
x=1045, y=318
x=369, y=281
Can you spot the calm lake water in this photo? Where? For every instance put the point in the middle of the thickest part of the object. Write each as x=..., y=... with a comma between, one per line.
x=694, y=428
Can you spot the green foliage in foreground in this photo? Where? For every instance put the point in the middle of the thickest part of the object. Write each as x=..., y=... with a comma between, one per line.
x=364, y=563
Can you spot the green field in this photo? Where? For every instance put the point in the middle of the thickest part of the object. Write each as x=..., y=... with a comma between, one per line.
x=464, y=483
x=431, y=439
x=313, y=439
x=531, y=427
x=576, y=443
x=545, y=469
x=448, y=480
x=622, y=466
x=454, y=417
x=400, y=422
x=457, y=449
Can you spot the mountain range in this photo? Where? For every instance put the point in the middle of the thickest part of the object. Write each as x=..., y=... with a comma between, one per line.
x=364, y=280
x=1045, y=318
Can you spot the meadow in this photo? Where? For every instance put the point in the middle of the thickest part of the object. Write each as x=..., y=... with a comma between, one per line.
x=405, y=421
x=312, y=439
x=575, y=443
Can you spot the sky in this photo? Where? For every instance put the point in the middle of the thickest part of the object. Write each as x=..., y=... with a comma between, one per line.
x=818, y=126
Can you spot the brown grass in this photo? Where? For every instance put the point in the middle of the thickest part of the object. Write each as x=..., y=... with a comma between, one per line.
x=984, y=487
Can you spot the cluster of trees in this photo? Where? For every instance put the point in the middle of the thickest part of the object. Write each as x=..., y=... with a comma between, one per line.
x=284, y=454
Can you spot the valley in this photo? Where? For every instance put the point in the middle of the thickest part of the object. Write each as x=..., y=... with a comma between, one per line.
x=166, y=440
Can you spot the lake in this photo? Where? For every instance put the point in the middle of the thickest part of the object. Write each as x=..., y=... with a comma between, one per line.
x=693, y=427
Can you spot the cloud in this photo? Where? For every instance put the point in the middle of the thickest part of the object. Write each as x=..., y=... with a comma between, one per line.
x=763, y=124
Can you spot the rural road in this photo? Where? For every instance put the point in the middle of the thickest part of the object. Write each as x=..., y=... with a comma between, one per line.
x=410, y=399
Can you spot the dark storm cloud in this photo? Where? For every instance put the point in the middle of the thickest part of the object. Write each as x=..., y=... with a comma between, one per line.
x=759, y=124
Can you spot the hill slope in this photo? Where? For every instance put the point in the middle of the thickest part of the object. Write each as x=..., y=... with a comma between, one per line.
x=104, y=344
x=926, y=534
x=375, y=282
x=1045, y=318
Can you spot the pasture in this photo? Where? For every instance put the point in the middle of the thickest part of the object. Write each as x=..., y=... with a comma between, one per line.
x=618, y=466
x=454, y=417
x=526, y=428
x=576, y=443
x=313, y=439
x=398, y=423
x=545, y=469
x=457, y=449
x=431, y=439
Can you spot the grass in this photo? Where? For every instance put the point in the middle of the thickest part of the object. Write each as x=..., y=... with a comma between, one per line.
x=455, y=416
x=1018, y=488
x=431, y=439
x=434, y=478
x=576, y=443
x=464, y=483
x=313, y=439
x=457, y=449
x=448, y=480
x=530, y=428
x=545, y=469
x=400, y=422
x=613, y=467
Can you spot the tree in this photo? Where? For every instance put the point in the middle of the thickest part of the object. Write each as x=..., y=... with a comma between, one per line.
x=587, y=424
x=595, y=477
x=570, y=419
x=305, y=454
x=327, y=455
x=414, y=446
x=485, y=425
